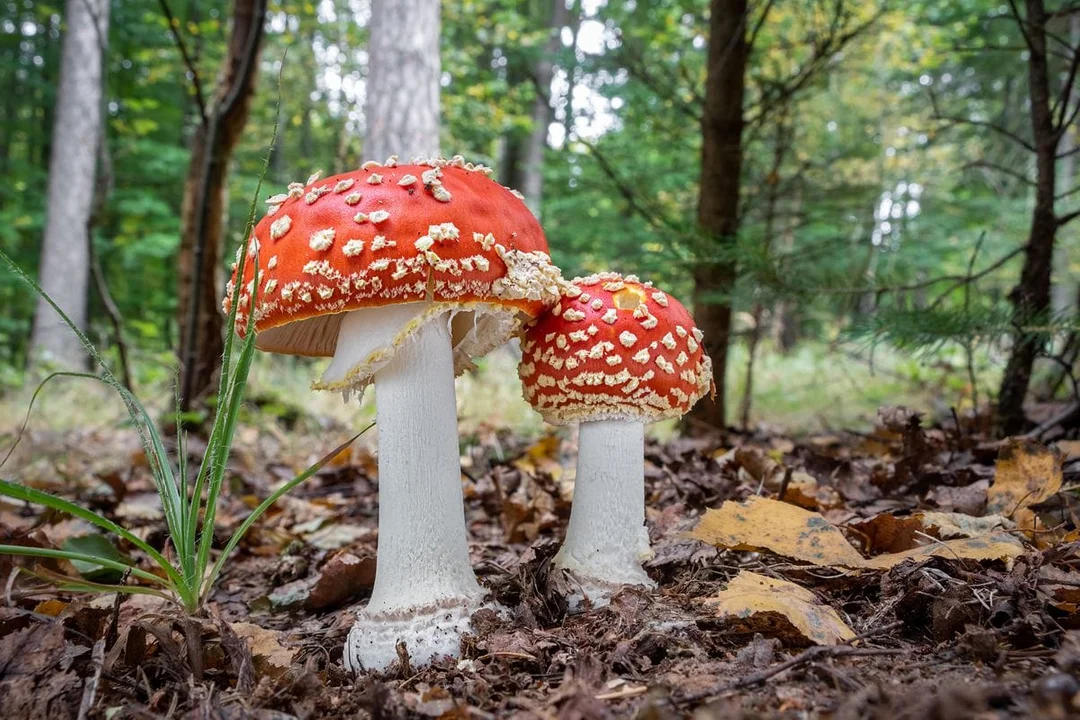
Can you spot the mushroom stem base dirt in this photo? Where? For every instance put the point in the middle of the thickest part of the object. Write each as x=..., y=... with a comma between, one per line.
x=607, y=539
x=429, y=634
x=425, y=589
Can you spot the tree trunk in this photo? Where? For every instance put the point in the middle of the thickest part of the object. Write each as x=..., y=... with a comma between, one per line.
x=532, y=185
x=718, y=204
x=1031, y=298
x=205, y=196
x=402, y=110
x=1065, y=285
x=65, y=248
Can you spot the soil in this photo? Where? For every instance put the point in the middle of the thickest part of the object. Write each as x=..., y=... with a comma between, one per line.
x=937, y=638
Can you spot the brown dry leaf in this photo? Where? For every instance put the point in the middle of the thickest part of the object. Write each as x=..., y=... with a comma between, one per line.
x=1069, y=448
x=887, y=533
x=789, y=531
x=271, y=659
x=1026, y=473
x=805, y=491
x=754, y=603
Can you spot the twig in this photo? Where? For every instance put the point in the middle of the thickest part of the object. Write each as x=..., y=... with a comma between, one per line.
x=807, y=656
x=196, y=82
x=1068, y=414
x=97, y=657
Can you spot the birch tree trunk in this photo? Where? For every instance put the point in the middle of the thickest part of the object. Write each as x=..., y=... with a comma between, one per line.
x=402, y=105
x=65, y=247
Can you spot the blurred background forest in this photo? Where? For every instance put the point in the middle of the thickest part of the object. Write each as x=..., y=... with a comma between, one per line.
x=867, y=202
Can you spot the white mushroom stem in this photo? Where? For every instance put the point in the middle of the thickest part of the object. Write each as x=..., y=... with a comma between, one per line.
x=425, y=590
x=607, y=539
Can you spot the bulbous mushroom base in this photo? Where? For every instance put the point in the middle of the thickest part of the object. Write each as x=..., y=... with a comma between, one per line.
x=598, y=591
x=429, y=634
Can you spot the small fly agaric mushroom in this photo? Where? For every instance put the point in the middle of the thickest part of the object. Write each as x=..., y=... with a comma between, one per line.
x=612, y=355
x=403, y=274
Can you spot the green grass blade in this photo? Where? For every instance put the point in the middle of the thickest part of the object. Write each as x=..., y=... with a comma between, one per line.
x=26, y=494
x=69, y=555
x=138, y=414
x=267, y=503
x=152, y=446
x=219, y=458
x=68, y=584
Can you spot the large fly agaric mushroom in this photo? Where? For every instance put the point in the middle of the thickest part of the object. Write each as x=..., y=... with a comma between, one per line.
x=612, y=355
x=403, y=274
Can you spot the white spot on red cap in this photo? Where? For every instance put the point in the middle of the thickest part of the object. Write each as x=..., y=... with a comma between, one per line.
x=280, y=226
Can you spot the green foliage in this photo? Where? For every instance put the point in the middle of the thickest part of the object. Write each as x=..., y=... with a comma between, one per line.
x=189, y=507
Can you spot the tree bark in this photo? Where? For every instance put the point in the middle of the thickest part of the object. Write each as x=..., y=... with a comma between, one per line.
x=203, y=215
x=718, y=204
x=65, y=248
x=1031, y=297
x=532, y=184
x=1065, y=287
x=402, y=108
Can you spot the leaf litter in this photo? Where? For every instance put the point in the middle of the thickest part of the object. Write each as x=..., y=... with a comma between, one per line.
x=842, y=575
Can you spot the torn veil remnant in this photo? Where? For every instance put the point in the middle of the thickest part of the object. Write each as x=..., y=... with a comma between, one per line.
x=400, y=285
x=612, y=355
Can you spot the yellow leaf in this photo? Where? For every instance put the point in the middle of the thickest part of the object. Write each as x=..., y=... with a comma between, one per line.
x=756, y=603
x=792, y=532
x=542, y=458
x=1026, y=473
x=763, y=524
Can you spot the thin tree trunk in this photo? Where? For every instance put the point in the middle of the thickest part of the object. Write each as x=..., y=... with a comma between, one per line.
x=205, y=196
x=402, y=110
x=65, y=249
x=718, y=204
x=532, y=185
x=1031, y=297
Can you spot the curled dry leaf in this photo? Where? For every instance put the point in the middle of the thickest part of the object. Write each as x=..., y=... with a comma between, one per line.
x=792, y=532
x=271, y=659
x=1027, y=473
x=754, y=603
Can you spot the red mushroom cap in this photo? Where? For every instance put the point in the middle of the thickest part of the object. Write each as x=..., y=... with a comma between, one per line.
x=613, y=348
x=436, y=230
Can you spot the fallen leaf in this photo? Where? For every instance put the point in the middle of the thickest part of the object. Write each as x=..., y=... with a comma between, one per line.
x=341, y=579
x=271, y=659
x=1026, y=473
x=754, y=603
x=1069, y=448
x=792, y=532
x=956, y=525
x=542, y=458
x=787, y=530
x=52, y=607
x=805, y=491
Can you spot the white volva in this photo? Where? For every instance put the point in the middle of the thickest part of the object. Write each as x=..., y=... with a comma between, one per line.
x=425, y=590
x=607, y=539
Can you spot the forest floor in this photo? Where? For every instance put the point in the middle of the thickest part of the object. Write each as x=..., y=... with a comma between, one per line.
x=854, y=575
